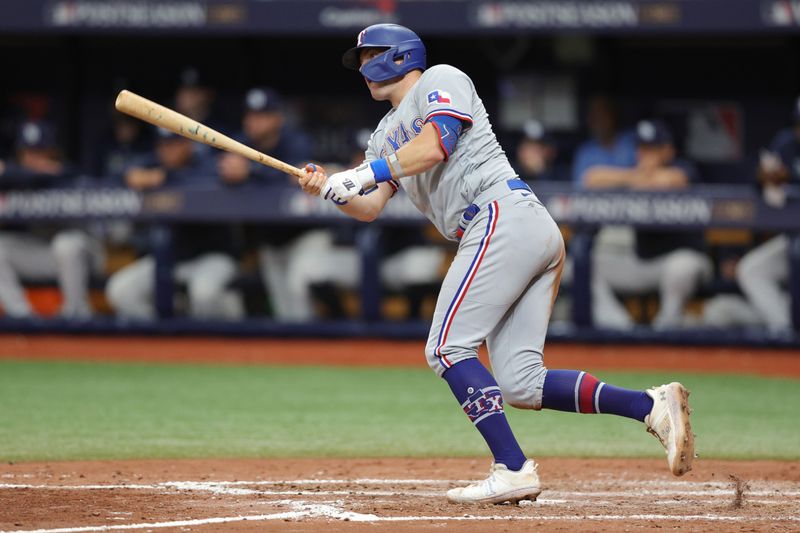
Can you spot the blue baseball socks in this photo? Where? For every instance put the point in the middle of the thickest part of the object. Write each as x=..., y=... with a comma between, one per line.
x=477, y=392
x=564, y=390
x=579, y=392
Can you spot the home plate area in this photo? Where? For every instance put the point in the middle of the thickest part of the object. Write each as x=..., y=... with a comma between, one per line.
x=390, y=494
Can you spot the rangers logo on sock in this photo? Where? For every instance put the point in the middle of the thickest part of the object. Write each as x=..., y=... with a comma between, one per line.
x=483, y=403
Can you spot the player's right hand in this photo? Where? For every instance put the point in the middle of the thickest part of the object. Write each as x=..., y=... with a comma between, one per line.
x=314, y=180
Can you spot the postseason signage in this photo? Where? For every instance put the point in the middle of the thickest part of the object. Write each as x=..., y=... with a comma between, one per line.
x=554, y=14
x=696, y=208
x=60, y=204
x=669, y=210
x=143, y=14
x=127, y=14
x=341, y=17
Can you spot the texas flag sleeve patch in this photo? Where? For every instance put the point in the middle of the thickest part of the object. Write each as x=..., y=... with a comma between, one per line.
x=439, y=97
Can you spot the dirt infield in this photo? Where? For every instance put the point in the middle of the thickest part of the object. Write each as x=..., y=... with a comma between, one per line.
x=360, y=495
x=389, y=495
x=783, y=363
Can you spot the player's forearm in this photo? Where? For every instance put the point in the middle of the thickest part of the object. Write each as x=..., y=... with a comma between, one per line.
x=14, y=175
x=607, y=177
x=416, y=157
x=366, y=208
x=421, y=154
x=662, y=179
x=780, y=175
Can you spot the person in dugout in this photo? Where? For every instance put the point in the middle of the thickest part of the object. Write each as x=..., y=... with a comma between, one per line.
x=40, y=252
x=203, y=253
x=265, y=127
x=672, y=263
x=763, y=273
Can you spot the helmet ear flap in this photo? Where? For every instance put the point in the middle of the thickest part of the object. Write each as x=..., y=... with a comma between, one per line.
x=382, y=67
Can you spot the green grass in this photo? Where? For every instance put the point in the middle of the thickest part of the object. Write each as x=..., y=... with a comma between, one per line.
x=51, y=411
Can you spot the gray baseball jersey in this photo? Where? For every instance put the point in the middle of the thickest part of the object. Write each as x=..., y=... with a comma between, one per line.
x=478, y=161
x=503, y=280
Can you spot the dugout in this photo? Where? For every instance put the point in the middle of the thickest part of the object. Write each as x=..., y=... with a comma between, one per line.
x=727, y=68
x=752, y=79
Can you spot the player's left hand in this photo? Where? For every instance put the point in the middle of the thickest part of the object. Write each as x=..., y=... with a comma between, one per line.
x=314, y=180
x=349, y=183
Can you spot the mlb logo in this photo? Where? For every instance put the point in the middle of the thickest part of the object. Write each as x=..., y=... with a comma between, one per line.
x=439, y=97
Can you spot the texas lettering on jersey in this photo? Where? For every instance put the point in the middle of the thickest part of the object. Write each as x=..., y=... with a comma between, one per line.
x=400, y=135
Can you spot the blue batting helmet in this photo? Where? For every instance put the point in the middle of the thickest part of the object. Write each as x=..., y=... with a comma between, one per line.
x=399, y=43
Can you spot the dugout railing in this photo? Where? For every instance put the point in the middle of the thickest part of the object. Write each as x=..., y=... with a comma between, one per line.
x=698, y=208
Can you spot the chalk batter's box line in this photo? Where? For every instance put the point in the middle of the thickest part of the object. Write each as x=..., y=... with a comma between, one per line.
x=333, y=510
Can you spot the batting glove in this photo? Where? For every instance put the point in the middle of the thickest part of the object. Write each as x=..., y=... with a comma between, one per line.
x=346, y=185
x=328, y=194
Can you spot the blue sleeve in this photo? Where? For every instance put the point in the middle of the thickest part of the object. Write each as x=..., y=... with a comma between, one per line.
x=300, y=147
x=17, y=177
x=145, y=160
x=294, y=147
x=449, y=129
x=627, y=149
x=201, y=173
x=580, y=166
x=782, y=146
x=688, y=168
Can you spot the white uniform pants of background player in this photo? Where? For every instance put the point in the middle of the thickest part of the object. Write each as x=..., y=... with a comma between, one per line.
x=617, y=269
x=763, y=274
x=315, y=258
x=500, y=288
x=69, y=257
x=131, y=290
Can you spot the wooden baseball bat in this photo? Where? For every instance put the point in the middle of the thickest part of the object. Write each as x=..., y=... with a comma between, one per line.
x=136, y=106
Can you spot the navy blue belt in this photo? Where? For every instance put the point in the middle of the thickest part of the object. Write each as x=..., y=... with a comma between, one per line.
x=469, y=213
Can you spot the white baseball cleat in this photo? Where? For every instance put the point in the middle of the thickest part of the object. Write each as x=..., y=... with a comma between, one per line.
x=502, y=485
x=669, y=422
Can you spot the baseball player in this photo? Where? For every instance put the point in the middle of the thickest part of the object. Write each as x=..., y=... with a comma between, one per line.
x=264, y=127
x=763, y=273
x=609, y=145
x=203, y=254
x=36, y=252
x=537, y=154
x=675, y=263
x=437, y=143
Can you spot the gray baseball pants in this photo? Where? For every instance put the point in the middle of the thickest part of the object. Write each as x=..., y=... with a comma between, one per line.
x=500, y=288
x=131, y=290
x=70, y=256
